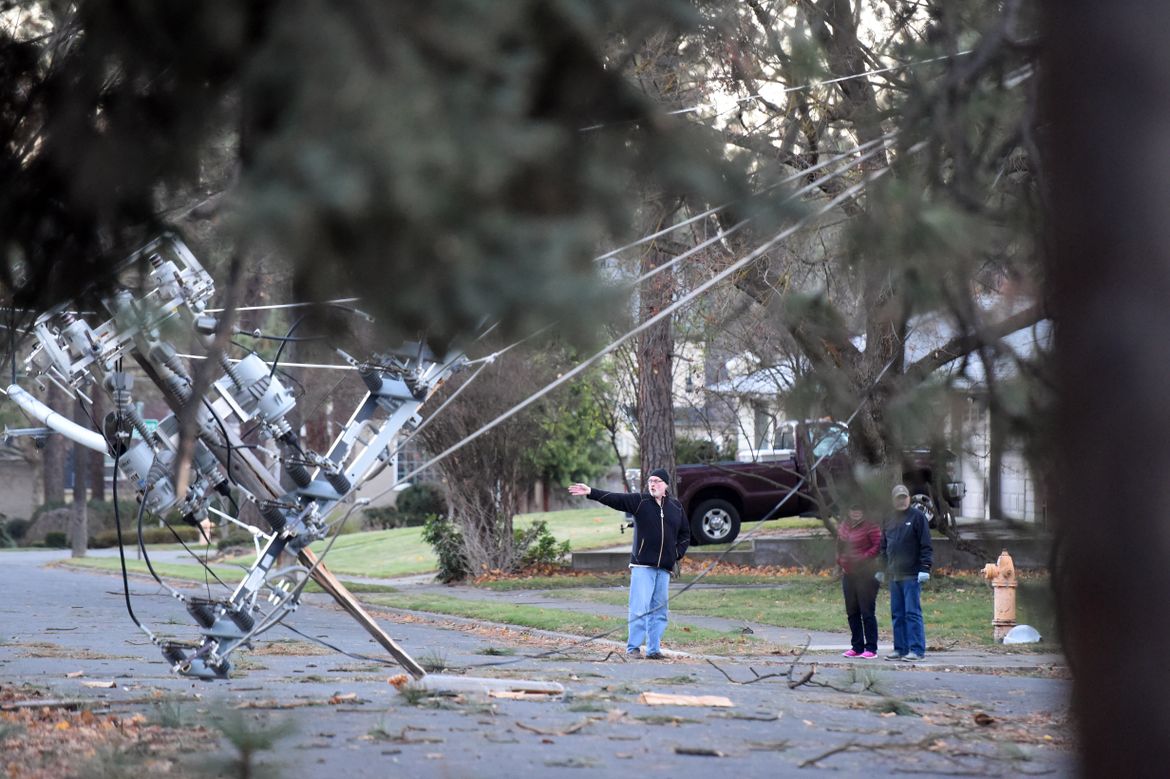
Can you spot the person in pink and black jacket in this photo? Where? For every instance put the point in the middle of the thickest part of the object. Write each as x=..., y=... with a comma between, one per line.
x=858, y=543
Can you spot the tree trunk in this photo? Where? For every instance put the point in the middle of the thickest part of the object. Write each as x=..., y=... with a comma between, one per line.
x=79, y=524
x=1109, y=265
x=54, y=468
x=655, y=371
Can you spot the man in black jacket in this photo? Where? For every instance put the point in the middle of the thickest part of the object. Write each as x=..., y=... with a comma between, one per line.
x=661, y=538
x=906, y=555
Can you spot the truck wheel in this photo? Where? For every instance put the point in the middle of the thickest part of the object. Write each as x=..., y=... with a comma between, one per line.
x=714, y=521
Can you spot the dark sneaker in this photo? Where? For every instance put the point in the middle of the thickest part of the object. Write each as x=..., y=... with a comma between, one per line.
x=633, y=653
x=895, y=656
x=913, y=658
x=655, y=656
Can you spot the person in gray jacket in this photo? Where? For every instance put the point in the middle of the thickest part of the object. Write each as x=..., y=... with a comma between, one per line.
x=661, y=538
x=906, y=555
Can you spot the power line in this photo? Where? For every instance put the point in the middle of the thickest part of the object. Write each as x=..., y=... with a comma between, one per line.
x=785, y=90
x=701, y=289
x=739, y=225
x=275, y=306
x=716, y=209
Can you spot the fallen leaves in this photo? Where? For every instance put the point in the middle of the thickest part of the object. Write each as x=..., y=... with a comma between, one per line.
x=41, y=741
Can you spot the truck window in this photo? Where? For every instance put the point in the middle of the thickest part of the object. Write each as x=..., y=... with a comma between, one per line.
x=785, y=438
x=831, y=440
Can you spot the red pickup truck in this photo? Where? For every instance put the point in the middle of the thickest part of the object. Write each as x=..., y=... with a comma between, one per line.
x=717, y=497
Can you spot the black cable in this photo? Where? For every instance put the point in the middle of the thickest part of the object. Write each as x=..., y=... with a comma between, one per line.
x=206, y=567
x=227, y=443
x=282, y=372
x=284, y=341
x=339, y=650
x=122, y=547
x=141, y=542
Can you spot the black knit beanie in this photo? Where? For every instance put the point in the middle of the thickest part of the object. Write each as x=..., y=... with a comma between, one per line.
x=660, y=473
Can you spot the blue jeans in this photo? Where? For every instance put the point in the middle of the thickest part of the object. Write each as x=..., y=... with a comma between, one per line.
x=906, y=614
x=649, y=591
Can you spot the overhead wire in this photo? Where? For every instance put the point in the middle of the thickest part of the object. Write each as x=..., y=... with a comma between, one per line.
x=844, y=155
x=650, y=322
x=782, y=91
x=723, y=234
x=565, y=377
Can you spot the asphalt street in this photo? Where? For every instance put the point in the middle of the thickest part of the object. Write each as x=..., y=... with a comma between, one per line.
x=944, y=718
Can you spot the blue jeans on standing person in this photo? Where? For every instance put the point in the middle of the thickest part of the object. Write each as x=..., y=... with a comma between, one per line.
x=906, y=614
x=649, y=590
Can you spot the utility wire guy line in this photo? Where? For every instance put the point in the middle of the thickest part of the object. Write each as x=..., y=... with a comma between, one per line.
x=786, y=90
x=848, y=153
x=722, y=234
x=716, y=209
x=700, y=290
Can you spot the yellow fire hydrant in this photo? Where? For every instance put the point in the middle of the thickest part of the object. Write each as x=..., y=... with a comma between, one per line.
x=1002, y=574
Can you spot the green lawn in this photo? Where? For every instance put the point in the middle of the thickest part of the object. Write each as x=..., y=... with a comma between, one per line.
x=600, y=527
x=956, y=609
x=678, y=634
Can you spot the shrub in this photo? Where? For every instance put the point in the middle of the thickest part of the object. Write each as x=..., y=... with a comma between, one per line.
x=234, y=538
x=692, y=450
x=5, y=539
x=44, y=508
x=445, y=538
x=382, y=518
x=418, y=502
x=56, y=540
x=16, y=528
x=101, y=514
x=150, y=535
x=536, y=545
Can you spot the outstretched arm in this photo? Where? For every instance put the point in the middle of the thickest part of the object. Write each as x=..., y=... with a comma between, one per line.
x=621, y=501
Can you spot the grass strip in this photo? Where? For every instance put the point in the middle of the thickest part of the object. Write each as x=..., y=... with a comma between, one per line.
x=957, y=609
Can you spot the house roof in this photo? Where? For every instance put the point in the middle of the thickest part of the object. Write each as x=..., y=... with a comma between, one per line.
x=927, y=333
x=762, y=381
x=933, y=331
